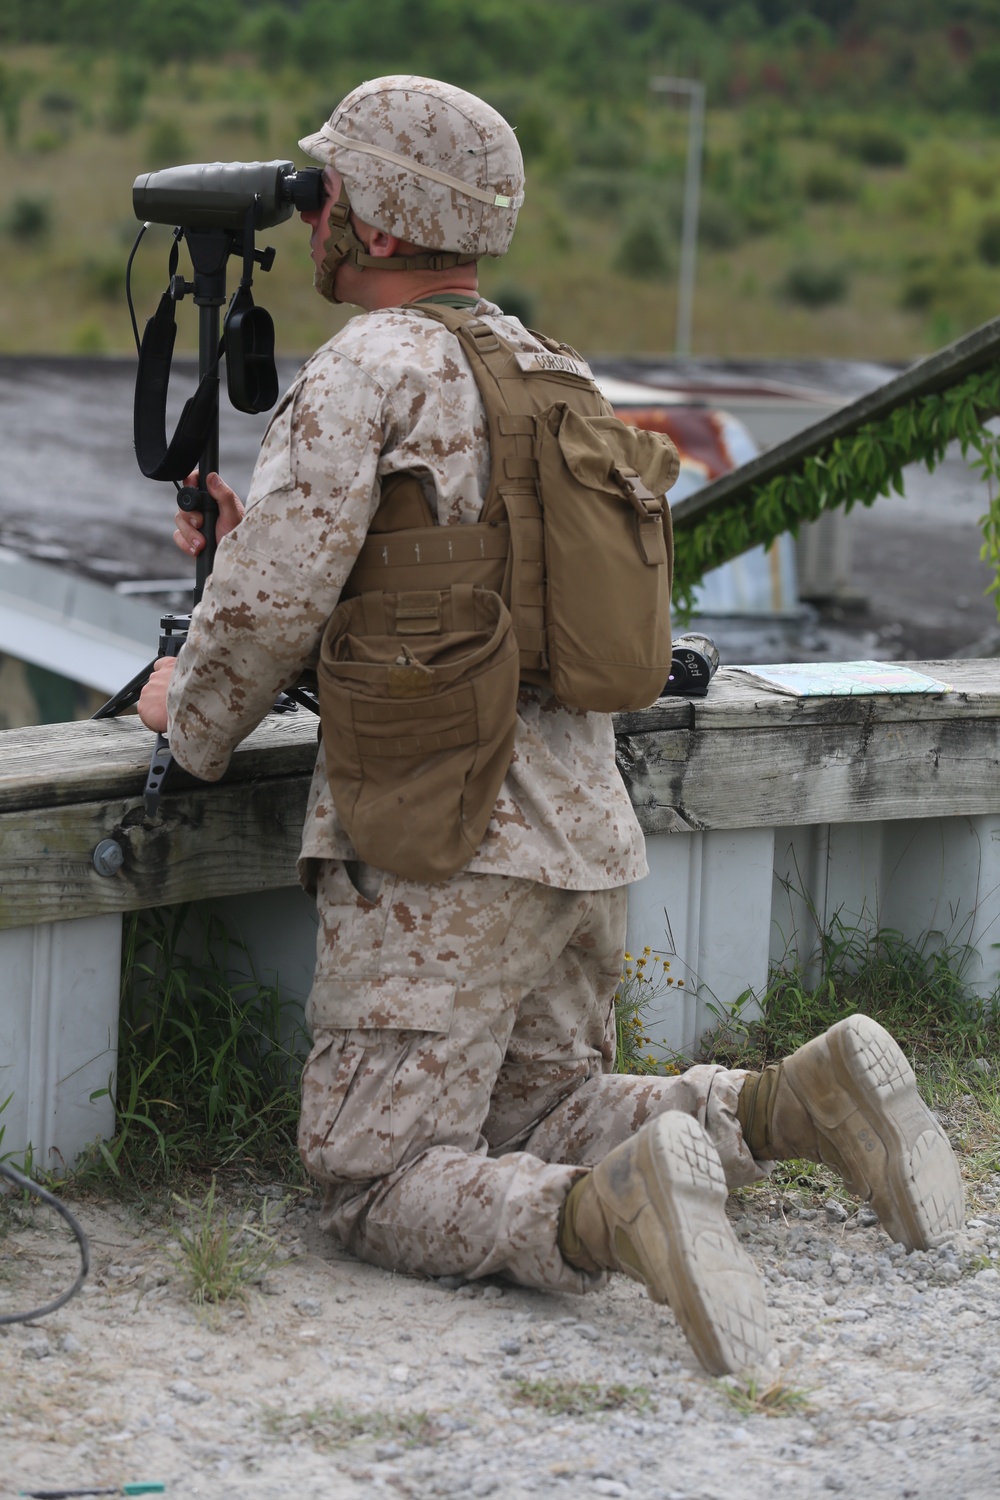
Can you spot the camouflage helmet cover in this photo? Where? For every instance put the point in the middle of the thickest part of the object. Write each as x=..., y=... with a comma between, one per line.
x=426, y=162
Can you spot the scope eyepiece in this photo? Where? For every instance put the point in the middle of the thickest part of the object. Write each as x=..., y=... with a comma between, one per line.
x=304, y=189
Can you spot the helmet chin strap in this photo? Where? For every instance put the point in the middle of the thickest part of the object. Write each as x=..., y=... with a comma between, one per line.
x=343, y=245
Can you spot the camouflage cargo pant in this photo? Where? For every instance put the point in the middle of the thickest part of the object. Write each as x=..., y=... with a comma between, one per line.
x=460, y=1075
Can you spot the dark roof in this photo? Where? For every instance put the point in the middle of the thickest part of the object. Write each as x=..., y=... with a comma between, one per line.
x=72, y=495
x=70, y=490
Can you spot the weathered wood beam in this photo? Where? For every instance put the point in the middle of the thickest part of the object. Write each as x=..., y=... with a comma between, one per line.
x=975, y=351
x=823, y=773
x=225, y=841
x=49, y=765
x=736, y=701
x=744, y=757
x=66, y=787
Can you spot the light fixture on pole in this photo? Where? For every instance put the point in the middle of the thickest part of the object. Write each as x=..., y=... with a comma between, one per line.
x=695, y=93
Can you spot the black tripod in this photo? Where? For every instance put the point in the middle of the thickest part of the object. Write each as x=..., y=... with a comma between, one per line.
x=253, y=387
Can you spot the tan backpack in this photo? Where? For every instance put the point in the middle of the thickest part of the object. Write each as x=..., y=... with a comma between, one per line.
x=574, y=533
x=573, y=548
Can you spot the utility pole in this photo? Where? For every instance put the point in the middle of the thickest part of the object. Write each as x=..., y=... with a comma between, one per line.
x=695, y=93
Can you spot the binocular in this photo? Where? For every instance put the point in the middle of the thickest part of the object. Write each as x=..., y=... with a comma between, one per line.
x=217, y=194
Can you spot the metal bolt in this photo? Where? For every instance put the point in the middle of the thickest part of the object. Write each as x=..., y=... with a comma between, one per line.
x=109, y=857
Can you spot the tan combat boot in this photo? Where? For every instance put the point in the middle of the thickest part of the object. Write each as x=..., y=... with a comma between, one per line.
x=654, y=1208
x=849, y=1098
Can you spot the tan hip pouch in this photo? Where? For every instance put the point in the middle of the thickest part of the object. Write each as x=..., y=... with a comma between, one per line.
x=418, y=702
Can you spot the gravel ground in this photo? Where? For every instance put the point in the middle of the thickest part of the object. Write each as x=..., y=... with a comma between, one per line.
x=337, y=1380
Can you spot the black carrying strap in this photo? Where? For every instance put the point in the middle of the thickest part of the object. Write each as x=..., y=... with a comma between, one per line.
x=156, y=458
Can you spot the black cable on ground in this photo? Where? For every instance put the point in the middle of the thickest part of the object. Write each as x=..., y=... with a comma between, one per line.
x=28, y=1186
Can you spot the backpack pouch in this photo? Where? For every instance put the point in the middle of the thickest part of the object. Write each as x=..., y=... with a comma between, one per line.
x=418, y=702
x=608, y=557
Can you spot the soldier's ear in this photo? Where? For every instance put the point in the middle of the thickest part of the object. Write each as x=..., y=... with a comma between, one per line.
x=383, y=245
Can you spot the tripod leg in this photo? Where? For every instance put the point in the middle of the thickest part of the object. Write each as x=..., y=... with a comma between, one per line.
x=159, y=768
x=127, y=695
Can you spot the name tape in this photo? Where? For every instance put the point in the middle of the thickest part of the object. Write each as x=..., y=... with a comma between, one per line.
x=563, y=364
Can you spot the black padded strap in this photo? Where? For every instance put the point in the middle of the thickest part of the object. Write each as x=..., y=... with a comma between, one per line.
x=156, y=458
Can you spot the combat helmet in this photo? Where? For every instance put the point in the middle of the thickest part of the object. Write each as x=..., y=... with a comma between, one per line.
x=426, y=162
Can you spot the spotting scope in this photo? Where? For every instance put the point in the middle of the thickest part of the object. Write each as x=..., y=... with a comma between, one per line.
x=217, y=194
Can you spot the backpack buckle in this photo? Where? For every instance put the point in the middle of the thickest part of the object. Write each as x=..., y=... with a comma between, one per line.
x=643, y=500
x=649, y=512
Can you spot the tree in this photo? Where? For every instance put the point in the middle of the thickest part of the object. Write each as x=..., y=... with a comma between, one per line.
x=984, y=80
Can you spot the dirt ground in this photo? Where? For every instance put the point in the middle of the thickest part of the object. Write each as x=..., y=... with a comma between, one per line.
x=334, y=1379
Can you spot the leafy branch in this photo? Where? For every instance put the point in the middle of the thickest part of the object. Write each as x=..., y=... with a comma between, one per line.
x=853, y=470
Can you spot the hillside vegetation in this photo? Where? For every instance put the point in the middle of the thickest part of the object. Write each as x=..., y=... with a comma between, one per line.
x=851, y=192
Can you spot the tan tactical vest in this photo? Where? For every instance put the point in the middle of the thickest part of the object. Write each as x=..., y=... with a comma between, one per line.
x=564, y=582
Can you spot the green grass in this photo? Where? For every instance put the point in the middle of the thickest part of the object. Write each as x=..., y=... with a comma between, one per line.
x=208, y=1070
x=917, y=991
x=577, y=1398
x=754, y=1398
x=329, y=1427
x=218, y=1260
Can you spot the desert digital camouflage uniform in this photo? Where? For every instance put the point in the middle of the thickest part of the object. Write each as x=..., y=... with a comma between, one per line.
x=463, y=1031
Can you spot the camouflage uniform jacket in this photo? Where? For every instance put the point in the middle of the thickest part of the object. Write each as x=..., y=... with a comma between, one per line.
x=391, y=391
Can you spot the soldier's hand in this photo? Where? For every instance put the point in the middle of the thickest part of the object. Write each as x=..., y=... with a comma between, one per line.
x=152, y=703
x=190, y=523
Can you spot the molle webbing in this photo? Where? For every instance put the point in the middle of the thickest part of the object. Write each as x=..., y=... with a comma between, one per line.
x=431, y=557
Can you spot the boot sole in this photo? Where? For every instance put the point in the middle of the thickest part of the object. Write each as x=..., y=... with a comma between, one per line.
x=893, y=1151
x=692, y=1258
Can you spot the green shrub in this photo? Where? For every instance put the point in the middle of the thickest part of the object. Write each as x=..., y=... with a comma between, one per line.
x=613, y=145
x=642, y=987
x=57, y=103
x=984, y=80
x=14, y=87
x=128, y=97
x=988, y=240
x=271, y=36
x=594, y=191
x=104, y=280
x=766, y=193
x=804, y=30
x=534, y=128
x=825, y=182
x=814, y=285
x=720, y=223
x=515, y=301
x=920, y=290
x=29, y=219
x=166, y=144
x=874, y=144
x=642, y=251
x=918, y=991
